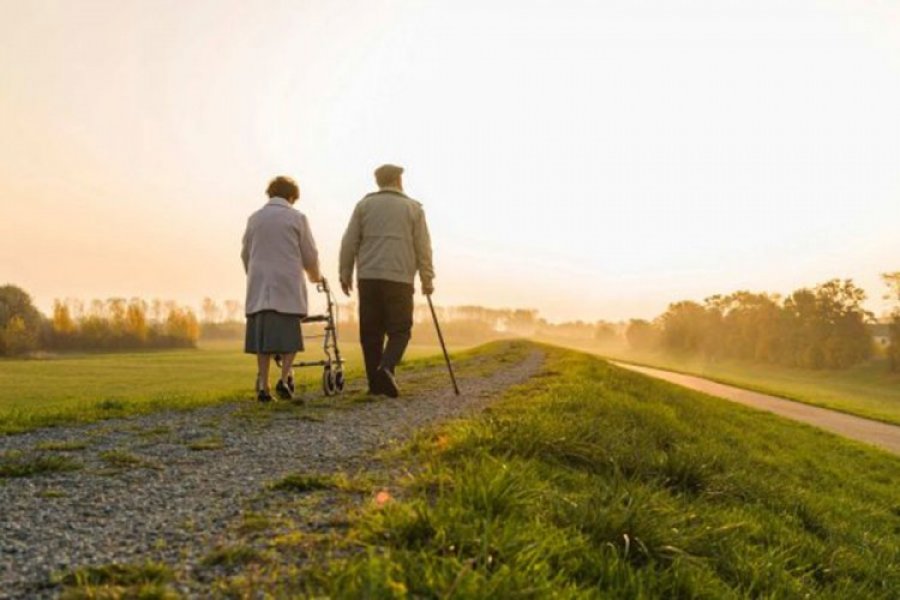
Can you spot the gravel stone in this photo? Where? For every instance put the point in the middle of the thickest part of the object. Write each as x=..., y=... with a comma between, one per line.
x=175, y=502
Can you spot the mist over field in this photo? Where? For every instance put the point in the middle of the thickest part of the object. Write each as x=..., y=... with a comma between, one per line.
x=415, y=299
x=589, y=161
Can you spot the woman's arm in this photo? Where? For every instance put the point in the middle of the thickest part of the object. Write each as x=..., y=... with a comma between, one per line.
x=308, y=251
x=245, y=248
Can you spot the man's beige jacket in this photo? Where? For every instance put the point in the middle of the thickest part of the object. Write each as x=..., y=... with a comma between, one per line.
x=278, y=246
x=387, y=238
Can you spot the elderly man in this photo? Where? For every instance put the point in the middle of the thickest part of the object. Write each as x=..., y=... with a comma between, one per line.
x=388, y=241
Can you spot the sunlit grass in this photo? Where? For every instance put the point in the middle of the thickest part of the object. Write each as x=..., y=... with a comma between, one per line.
x=19, y=464
x=868, y=389
x=589, y=481
x=148, y=581
x=92, y=387
x=594, y=482
x=208, y=443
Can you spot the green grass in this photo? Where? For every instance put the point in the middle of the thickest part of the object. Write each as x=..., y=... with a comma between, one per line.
x=17, y=464
x=122, y=459
x=594, y=482
x=208, y=443
x=148, y=581
x=253, y=522
x=93, y=387
x=64, y=445
x=231, y=556
x=868, y=390
x=301, y=482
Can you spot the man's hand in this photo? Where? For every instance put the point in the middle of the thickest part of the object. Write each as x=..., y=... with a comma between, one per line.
x=428, y=289
x=347, y=286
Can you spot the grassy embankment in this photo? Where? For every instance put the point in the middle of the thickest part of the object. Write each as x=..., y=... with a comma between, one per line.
x=868, y=390
x=91, y=387
x=591, y=481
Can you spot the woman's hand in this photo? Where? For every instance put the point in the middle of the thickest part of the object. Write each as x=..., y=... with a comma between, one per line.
x=314, y=275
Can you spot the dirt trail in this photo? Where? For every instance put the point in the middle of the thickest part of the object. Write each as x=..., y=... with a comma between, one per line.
x=879, y=434
x=165, y=486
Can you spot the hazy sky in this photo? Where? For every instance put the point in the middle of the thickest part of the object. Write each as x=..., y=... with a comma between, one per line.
x=590, y=159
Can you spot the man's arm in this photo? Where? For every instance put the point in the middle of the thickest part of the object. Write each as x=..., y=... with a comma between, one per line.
x=349, y=249
x=422, y=242
x=308, y=251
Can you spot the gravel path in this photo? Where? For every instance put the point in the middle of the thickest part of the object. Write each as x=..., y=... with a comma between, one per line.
x=883, y=435
x=164, y=486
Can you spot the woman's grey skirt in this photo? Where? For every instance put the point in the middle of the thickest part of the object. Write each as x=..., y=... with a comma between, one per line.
x=270, y=332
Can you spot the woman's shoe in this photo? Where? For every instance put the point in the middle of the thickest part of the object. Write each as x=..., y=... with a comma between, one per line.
x=263, y=396
x=283, y=391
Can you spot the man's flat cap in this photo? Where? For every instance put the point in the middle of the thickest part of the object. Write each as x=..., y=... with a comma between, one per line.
x=388, y=173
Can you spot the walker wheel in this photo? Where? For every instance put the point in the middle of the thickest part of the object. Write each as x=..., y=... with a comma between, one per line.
x=339, y=380
x=329, y=382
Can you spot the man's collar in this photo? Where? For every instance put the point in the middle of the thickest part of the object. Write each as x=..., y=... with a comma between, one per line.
x=280, y=202
x=389, y=190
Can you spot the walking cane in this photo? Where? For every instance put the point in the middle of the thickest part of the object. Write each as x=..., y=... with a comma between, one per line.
x=443, y=346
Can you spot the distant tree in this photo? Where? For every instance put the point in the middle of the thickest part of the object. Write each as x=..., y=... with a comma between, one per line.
x=210, y=310
x=892, y=280
x=233, y=310
x=846, y=338
x=18, y=337
x=691, y=327
x=116, y=311
x=749, y=325
x=522, y=321
x=119, y=324
x=157, y=310
x=63, y=328
x=820, y=328
x=136, y=328
x=20, y=321
x=825, y=327
x=182, y=327
x=62, y=321
x=642, y=335
x=604, y=332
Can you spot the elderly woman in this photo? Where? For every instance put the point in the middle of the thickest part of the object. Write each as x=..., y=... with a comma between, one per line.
x=278, y=247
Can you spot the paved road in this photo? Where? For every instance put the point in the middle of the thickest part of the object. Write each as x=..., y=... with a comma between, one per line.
x=879, y=434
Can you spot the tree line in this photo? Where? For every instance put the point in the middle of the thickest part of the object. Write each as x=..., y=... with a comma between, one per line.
x=892, y=280
x=824, y=327
x=102, y=325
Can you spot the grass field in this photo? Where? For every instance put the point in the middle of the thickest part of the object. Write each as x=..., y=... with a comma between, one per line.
x=594, y=482
x=868, y=390
x=589, y=481
x=91, y=387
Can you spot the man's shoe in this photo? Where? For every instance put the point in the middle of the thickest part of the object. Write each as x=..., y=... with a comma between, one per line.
x=283, y=391
x=263, y=396
x=388, y=383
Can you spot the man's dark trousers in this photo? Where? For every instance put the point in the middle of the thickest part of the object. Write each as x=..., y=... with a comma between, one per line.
x=385, y=309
